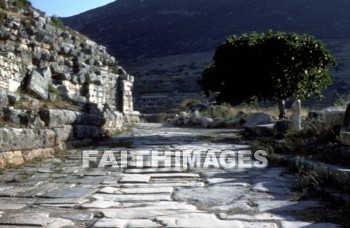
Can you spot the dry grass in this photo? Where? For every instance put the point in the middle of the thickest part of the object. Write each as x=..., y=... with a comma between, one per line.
x=14, y=14
x=229, y=112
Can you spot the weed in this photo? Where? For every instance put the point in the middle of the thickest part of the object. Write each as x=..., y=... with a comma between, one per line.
x=342, y=101
x=22, y=4
x=3, y=4
x=307, y=180
x=115, y=69
x=61, y=154
x=188, y=102
x=23, y=177
x=54, y=90
x=57, y=22
x=2, y=17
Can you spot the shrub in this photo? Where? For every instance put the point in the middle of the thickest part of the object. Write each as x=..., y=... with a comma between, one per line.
x=3, y=4
x=57, y=22
x=22, y=4
x=2, y=17
x=188, y=102
x=52, y=89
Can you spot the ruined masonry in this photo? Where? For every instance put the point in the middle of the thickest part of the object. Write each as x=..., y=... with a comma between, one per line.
x=41, y=62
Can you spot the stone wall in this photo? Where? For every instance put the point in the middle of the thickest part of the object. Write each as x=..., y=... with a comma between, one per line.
x=40, y=61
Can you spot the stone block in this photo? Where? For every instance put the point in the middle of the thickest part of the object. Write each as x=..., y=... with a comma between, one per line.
x=259, y=118
x=3, y=98
x=64, y=134
x=13, y=157
x=39, y=83
x=29, y=155
x=333, y=117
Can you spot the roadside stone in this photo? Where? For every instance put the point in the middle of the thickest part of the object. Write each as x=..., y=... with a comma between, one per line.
x=333, y=117
x=295, y=117
x=257, y=119
x=3, y=98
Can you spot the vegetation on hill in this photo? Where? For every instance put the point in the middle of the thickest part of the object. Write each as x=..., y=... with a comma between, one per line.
x=268, y=66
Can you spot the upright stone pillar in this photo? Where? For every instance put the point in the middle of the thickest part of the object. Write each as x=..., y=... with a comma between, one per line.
x=296, y=117
x=345, y=128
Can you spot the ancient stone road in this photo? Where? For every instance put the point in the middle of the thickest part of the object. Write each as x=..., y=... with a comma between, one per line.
x=64, y=194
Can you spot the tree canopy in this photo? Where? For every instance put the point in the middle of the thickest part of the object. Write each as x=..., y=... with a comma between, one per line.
x=268, y=66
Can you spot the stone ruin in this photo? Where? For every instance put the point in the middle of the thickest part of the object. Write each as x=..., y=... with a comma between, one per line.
x=40, y=61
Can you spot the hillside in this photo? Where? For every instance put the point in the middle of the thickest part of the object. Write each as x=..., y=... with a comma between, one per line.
x=146, y=34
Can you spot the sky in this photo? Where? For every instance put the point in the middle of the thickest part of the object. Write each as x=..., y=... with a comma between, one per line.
x=65, y=8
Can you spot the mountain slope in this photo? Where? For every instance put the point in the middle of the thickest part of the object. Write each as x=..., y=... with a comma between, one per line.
x=145, y=32
x=161, y=27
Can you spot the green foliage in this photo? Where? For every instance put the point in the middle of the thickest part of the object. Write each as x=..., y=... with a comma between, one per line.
x=188, y=102
x=54, y=90
x=115, y=69
x=56, y=21
x=267, y=66
x=2, y=17
x=3, y=4
x=221, y=112
x=307, y=180
x=22, y=4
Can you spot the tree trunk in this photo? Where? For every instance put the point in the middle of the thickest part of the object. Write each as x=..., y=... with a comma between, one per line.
x=282, y=109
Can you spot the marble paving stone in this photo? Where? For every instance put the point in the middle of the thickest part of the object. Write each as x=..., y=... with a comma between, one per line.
x=211, y=196
x=71, y=196
x=111, y=190
x=154, y=170
x=202, y=223
x=60, y=201
x=168, y=184
x=134, y=213
x=238, y=205
x=42, y=189
x=97, y=173
x=284, y=205
x=227, y=182
x=12, y=200
x=134, y=178
x=174, y=175
x=12, y=206
x=66, y=192
x=71, y=215
x=128, y=197
x=161, y=205
x=171, y=220
x=256, y=217
x=16, y=191
x=95, y=180
x=299, y=224
x=135, y=223
x=271, y=188
x=59, y=222
x=24, y=219
x=101, y=204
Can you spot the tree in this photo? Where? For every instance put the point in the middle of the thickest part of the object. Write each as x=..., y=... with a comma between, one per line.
x=268, y=66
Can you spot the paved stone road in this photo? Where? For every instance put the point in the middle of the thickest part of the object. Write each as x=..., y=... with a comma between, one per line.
x=64, y=194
